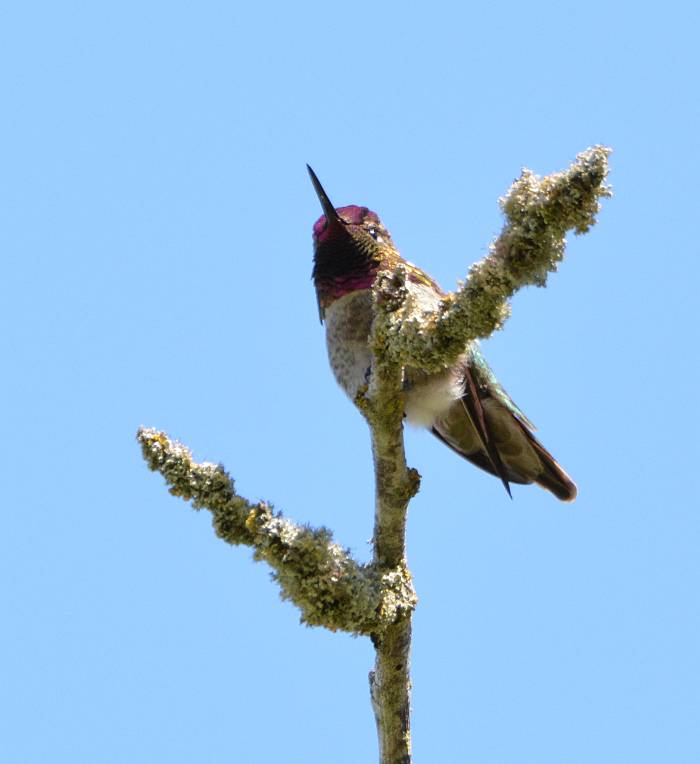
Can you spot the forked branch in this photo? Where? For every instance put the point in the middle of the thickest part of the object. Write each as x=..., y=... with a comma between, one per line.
x=328, y=586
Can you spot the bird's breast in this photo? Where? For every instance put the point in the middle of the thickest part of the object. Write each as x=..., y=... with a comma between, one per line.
x=348, y=323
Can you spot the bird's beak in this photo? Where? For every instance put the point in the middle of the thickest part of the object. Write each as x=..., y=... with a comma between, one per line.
x=328, y=208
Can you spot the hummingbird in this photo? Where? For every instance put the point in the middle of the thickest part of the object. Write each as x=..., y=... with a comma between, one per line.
x=463, y=405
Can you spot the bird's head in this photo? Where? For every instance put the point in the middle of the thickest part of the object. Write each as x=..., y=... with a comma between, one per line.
x=350, y=246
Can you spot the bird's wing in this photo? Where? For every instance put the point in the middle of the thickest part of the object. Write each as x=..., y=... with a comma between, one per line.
x=487, y=428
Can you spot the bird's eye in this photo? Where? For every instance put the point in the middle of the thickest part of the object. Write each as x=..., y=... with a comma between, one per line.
x=374, y=234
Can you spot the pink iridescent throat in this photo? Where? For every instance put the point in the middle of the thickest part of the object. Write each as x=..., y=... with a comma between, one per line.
x=339, y=287
x=341, y=266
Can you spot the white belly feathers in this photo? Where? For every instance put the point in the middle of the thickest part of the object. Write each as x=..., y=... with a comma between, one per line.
x=348, y=323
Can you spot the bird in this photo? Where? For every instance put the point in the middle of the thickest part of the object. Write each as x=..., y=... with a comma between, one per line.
x=464, y=405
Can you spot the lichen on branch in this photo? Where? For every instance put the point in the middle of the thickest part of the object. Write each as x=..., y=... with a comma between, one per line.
x=538, y=212
x=320, y=577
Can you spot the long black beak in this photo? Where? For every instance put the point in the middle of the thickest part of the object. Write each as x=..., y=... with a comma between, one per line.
x=328, y=208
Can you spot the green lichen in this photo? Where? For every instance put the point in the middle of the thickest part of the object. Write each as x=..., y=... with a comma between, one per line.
x=539, y=212
x=321, y=578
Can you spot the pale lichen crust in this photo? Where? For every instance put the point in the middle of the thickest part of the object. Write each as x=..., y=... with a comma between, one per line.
x=538, y=212
x=321, y=578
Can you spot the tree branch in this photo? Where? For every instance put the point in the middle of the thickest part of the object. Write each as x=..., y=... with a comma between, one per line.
x=316, y=574
x=539, y=212
x=395, y=485
x=330, y=588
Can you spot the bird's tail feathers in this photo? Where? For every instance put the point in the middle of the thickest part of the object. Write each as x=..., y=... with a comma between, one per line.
x=485, y=429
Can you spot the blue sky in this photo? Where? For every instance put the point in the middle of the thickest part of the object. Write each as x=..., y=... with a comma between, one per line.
x=156, y=244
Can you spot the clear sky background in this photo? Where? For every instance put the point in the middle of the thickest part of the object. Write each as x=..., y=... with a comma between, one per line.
x=156, y=248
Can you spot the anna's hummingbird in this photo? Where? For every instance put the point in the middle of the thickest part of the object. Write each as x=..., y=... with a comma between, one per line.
x=464, y=405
